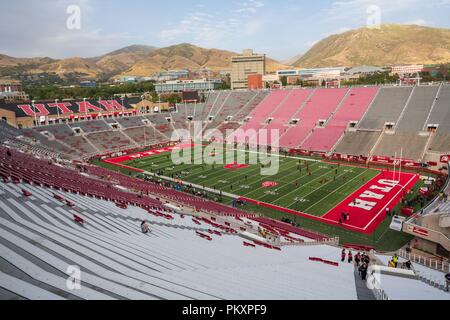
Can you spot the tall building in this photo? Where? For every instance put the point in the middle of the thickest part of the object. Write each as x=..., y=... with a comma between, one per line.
x=242, y=66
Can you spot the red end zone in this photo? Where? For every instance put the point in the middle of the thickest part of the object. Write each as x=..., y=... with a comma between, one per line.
x=366, y=206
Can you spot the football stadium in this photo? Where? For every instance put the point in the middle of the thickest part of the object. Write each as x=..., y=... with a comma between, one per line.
x=325, y=191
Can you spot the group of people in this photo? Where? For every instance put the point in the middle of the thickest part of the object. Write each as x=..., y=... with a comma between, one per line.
x=361, y=261
x=394, y=263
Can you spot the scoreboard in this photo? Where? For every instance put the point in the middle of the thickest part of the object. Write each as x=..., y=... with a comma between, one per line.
x=190, y=96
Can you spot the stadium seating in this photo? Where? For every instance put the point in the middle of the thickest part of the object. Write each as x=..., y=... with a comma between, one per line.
x=391, y=145
x=417, y=111
x=408, y=127
x=171, y=262
x=91, y=126
x=441, y=115
x=387, y=107
x=320, y=106
x=12, y=137
x=51, y=144
x=352, y=109
x=286, y=111
x=235, y=108
x=218, y=103
x=260, y=114
x=131, y=122
x=64, y=133
x=357, y=143
x=144, y=135
x=110, y=140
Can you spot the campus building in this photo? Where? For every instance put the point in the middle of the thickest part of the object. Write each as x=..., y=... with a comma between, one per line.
x=249, y=63
x=188, y=85
x=11, y=91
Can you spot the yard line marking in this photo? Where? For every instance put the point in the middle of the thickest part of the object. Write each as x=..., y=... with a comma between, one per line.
x=302, y=176
x=317, y=202
x=308, y=183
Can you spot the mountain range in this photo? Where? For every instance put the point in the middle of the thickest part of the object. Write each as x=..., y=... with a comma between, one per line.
x=389, y=44
x=136, y=60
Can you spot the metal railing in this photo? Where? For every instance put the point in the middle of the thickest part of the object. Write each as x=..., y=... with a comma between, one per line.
x=434, y=264
x=375, y=287
x=331, y=242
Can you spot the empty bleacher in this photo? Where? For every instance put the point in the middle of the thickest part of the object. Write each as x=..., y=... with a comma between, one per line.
x=357, y=143
x=91, y=126
x=257, y=118
x=144, y=135
x=412, y=145
x=320, y=106
x=440, y=115
x=219, y=103
x=39, y=240
x=407, y=131
x=13, y=137
x=236, y=107
x=417, y=111
x=387, y=107
x=37, y=137
x=64, y=133
x=351, y=110
x=109, y=140
x=131, y=122
x=288, y=108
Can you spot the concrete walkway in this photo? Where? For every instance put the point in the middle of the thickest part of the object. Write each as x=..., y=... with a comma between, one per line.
x=362, y=291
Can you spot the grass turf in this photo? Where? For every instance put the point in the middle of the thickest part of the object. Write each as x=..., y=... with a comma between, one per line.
x=304, y=185
x=311, y=196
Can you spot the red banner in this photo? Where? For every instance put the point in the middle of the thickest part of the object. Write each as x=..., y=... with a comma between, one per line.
x=445, y=158
x=420, y=231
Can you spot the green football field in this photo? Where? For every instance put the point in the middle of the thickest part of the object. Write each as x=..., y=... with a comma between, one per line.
x=304, y=185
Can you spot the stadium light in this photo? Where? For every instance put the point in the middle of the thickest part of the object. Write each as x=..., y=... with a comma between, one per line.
x=57, y=109
x=85, y=108
x=34, y=109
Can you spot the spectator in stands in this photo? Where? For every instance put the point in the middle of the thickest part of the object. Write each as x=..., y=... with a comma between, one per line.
x=391, y=264
x=343, y=255
x=363, y=271
x=365, y=258
x=357, y=258
x=395, y=260
x=408, y=265
x=8, y=153
x=144, y=227
x=350, y=257
x=447, y=280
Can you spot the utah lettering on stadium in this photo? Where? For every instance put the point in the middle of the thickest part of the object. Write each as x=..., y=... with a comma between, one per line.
x=45, y=109
x=369, y=198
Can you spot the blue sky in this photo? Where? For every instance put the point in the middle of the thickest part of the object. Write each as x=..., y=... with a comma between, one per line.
x=279, y=28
